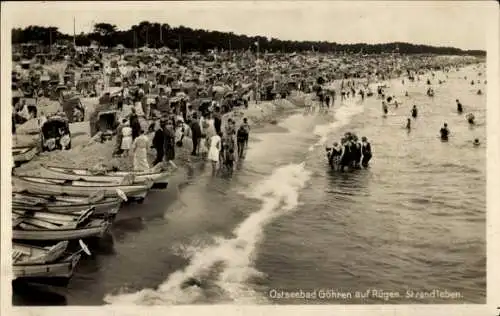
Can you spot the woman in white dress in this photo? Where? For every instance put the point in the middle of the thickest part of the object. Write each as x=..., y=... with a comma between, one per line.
x=213, y=152
x=140, y=152
x=126, y=138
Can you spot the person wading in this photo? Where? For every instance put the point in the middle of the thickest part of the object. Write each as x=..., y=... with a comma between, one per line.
x=355, y=150
x=228, y=145
x=335, y=155
x=414, y=112
x=241, y=138
x=195, y=134
x=445, y=132
x=366, y=149
x=345, y=158
x=247, y=128
x=408, y=124
x=460, y=108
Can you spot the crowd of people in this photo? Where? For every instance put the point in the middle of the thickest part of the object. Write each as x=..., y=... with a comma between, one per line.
x=179, y=100
x=350, y=153
x=221, y=144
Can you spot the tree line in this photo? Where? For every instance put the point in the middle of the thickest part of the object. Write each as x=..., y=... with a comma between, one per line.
x=156, y=35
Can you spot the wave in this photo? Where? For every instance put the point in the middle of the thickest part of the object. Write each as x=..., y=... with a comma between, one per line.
x=342, y=115
x=279, y=195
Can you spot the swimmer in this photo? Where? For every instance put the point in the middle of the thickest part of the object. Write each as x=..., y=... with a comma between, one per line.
x=191, y=282
x=470, y=118
x=459, y=107
x=476, y=142
x=445, y=132
x=414, y=112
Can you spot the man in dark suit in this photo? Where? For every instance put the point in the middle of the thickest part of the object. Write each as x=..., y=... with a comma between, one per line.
x=169, y=140
x=158, y=144
x=134, y=124
x=195, y=133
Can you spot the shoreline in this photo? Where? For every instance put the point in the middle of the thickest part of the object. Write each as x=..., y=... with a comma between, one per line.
x=83, y=149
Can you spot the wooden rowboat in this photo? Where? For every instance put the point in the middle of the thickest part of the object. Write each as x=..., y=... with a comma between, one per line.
x=158, y=178
x=24, y=154
x=23, y=254
x=54, y=220
x=29, y=228
x=83, y=175
x=76, y=187
x=107, y=206
x=56, y=273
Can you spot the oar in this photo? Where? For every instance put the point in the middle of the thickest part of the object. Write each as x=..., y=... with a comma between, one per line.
x=121, y=194
x=172, y=164
x=84, y=247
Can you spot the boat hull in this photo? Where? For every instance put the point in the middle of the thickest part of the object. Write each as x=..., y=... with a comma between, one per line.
x=56, y=186
x=39, y=255
x=160, y=179
x=56, y=273
x=66, y=173
x=24, y=154
x=103, y=209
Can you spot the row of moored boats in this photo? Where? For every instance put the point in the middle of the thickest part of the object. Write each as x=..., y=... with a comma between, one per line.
x=53, y=215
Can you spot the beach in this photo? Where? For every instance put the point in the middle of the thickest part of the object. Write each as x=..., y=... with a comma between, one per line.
x=285, y=222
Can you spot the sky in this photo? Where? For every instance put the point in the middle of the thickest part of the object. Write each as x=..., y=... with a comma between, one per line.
x=461, y=24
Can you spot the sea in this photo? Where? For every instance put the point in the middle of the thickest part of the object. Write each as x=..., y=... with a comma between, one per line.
x=285, y=229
